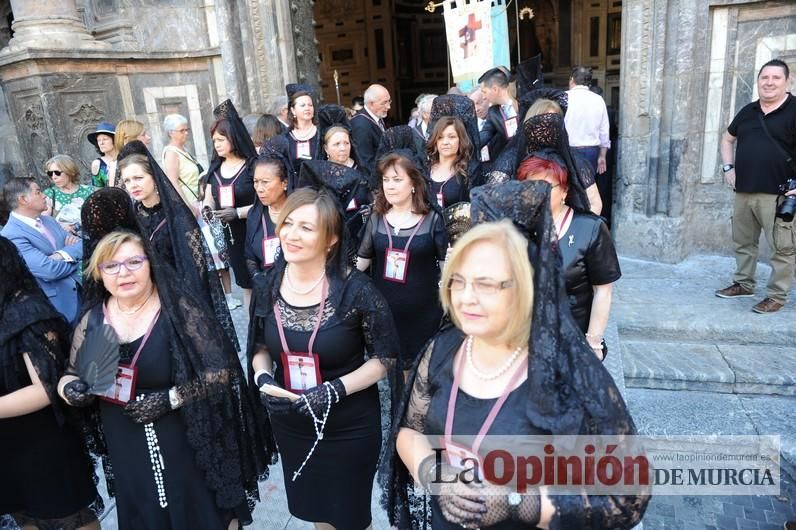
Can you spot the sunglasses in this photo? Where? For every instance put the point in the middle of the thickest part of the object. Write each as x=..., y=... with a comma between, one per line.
x=54, y=172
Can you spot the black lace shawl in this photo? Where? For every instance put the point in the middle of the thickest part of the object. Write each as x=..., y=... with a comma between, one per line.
x=401, y=137
x=463, y=108
x=186, y=243
x=224, y=425
x=329, y=116
x=240, y=138
x=570, y=392
x=529, y=75
x=278, y=148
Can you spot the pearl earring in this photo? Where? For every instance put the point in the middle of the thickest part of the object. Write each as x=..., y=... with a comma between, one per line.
x=413, y=190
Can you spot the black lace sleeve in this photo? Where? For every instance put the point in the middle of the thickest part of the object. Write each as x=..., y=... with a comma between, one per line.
x=366, y=245
x=381, y=337
x=44, y=344
x=420, y=396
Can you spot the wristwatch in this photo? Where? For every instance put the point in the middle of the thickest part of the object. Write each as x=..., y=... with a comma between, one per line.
x=726, y=167
x=514, y=500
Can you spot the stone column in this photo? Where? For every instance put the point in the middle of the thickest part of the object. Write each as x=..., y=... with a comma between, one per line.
x=49, y=24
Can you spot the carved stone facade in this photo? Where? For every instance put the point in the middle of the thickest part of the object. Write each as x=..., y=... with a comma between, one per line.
x=681, y=87
x=117, y=60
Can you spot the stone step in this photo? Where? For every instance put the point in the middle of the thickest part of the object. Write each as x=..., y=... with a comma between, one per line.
x=710, y=367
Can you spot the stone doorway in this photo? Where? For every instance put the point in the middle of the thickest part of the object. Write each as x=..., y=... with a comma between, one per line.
x=402, y=46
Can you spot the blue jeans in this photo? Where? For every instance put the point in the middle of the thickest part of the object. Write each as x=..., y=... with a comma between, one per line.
x=591, y=154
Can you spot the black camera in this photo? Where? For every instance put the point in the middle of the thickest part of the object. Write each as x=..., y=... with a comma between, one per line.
x=787, y=208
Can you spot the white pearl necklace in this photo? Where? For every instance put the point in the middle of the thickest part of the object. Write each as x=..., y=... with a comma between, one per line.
x=468, y=349
x=293, y=287
x=156, y=457
x=318, y=424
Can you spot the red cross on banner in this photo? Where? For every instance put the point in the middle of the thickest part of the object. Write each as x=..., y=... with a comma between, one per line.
x=468, y=33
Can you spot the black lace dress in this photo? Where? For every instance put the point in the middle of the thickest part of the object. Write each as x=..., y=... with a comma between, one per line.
x=45, y=474
x=154, y=226
x=243, y=189
x=415, y=304
x=589, y=259
x=190, y=504
x=336, y=484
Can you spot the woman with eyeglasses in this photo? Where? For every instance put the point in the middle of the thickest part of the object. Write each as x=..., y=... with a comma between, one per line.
x=177, y=427
x=180, y=166
x=66, y=196
x=514, y=366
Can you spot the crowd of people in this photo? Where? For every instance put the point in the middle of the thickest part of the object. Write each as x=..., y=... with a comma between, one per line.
x=443, y=266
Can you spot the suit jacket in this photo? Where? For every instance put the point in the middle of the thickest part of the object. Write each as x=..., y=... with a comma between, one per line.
x=366, y=135
x=493, y=133
x=58, y=279
x=420, y=141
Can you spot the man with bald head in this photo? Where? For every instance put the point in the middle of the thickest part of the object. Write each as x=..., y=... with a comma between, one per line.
x=367, y=126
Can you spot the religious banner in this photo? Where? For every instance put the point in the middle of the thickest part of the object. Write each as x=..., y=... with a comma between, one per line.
x=468, y=26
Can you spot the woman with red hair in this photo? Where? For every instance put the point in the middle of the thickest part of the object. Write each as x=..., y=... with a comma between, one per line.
x=589, y=257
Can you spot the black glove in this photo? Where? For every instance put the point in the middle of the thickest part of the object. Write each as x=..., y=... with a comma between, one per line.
x=273, y=404
x=226, y=215
x=75, y=394
x=149, y=409
x=318, y=398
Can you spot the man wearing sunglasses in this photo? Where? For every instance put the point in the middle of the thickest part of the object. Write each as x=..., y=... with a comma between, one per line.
x=51, y=254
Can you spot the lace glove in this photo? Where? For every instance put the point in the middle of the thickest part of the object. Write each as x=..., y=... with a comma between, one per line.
x=150, y=408
x=75, y=394
x=460, y=503
x=273, y=404
x=318, y=397
x=499, y=509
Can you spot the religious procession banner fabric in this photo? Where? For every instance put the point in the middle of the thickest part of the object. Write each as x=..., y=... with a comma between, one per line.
x=468, y=26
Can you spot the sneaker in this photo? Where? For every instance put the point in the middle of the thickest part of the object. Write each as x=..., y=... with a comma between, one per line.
x=767, y=305
x=233, y=303
x=735, y=290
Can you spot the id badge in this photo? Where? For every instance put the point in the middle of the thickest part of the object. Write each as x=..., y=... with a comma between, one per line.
x=352, y=205
x=485, y=154
x=123, y=388
x=396, y=263
x=303, y=150
x=226, y=196
x=462, y=457
x=302, y=371
x=269, y=250
x=440, y=200
x=511, y=126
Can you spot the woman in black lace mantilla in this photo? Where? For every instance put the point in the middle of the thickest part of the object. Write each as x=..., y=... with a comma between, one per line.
x=46, y=474
x=323, y=333
x=550, y=379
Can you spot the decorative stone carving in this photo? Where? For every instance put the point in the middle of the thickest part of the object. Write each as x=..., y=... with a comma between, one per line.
x=54, y=24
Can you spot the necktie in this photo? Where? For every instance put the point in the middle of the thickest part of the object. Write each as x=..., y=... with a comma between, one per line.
x=381, y=124
x=46, y=233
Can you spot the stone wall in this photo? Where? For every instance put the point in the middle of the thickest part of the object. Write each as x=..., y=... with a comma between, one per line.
x=681, y=87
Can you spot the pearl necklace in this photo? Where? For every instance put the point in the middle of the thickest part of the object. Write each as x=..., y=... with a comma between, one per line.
x=293, y=287
x=468, y=349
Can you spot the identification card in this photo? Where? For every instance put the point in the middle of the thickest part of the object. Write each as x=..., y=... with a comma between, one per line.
x=462, y=457
x=226, y=196
x=303, y=150
x=123, y=388
x=511, y=126
x=269, y=250
x=396, y=264
x=485, y=154
x=352, y=205
x=302, y=371
x=440, y=200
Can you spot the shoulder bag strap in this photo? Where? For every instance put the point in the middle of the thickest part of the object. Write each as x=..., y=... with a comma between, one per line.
x=788, y=157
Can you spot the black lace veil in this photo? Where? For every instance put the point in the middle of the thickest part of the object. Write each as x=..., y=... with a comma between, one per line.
x=239, y=136
x=529, y=75
x=224, y=423
x=277, y=148
x=330, y=116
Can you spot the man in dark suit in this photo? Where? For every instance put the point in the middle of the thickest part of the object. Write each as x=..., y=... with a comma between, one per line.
x=367, y=126
x=51, y=254
x=423, y=127
x=501, y=122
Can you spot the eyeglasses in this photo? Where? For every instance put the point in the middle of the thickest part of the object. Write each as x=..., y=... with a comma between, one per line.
x=133, y=263
x=54, y=172
x=480, y=286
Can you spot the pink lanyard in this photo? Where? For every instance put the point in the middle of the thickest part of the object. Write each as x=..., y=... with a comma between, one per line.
x=411, y=236
x=143, y=341
x=155, y=231
x=238, y=174
x=278, y=315
x=490, y=419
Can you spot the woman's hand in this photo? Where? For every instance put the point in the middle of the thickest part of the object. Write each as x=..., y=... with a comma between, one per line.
x=273, y=404
x=320, y=398
x=75, y=394
x=226, y=215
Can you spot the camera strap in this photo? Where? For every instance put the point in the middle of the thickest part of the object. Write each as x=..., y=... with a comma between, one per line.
x=788, y=157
